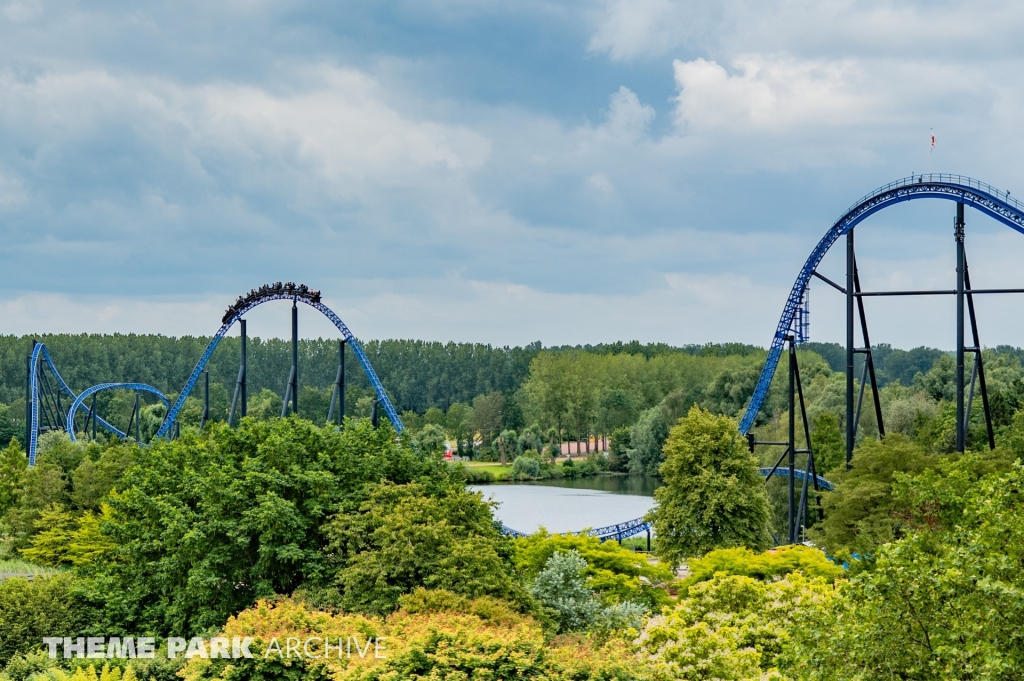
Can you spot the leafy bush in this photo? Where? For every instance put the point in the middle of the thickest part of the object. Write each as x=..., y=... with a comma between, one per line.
x=560, y=586
x=771, y=564
x=734, y=627
x=403, y=537
x=616, y=574
x=33, y=608
x=477, y=476
x=861, y=513
x=439, y=636
x=524, y=467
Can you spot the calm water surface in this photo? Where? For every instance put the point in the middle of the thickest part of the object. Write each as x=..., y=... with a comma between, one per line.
x=570, y=505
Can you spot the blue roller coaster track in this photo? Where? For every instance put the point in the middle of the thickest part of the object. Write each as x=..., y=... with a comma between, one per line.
x=265, y=294
x=637, y=526
x=137, y=387
x=44, y=398
x=983, y=197
x=38, y=401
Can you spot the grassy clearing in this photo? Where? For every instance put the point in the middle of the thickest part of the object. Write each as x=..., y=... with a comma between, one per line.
x=496, y=469
x=21, y=568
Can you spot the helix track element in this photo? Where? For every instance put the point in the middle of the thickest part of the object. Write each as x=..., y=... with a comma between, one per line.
x=137, y=387
x=44, y=399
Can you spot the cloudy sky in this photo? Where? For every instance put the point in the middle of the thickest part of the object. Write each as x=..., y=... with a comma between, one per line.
x=574, y=172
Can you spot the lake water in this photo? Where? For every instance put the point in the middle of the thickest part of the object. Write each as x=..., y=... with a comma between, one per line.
x=571, y=505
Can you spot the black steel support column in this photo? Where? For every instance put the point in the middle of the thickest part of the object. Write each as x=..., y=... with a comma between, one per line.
x=92, y=413
x=961, y=435
x=131, y=417
x=341, y=385
x=338, y=395
x=979, y=366
x=295, y=358
x=206, y=400
x=869, y=361
x=792, y=441
x=138, y=418
x=244, y=370
x=850, y=426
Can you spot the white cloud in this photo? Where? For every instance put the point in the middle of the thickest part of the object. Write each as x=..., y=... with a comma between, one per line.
x=628, y=29
x=23, y=10
x=770, y=95
x=628, y=119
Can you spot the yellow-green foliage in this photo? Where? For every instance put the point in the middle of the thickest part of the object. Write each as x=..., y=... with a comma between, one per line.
x=768, y=565
x=437, y=636
x=88, y=673
x=615, y=573
x=733, y=627
x=69, y=539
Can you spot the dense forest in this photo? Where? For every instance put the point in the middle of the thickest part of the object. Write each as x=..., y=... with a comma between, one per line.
x=475, y=394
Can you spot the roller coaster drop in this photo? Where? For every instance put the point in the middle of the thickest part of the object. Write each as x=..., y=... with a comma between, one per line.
x=792, y=328
x=43, y=399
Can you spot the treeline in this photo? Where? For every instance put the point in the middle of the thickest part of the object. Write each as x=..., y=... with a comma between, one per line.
x=418, y=374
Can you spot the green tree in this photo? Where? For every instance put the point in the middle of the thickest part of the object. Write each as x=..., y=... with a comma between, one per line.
x=403, y=537
x=431, y=439
x=33, y=608
x=13, y=464
x=458, y=420
x=713, y=495
x=238, y=506
x=829, y=443
x=434, y=416
x=264, y=406
x=7, y=426
x=486, y=418
x=942, y=601
x=618, y=449
x=42, y=486
x=862, y=512
x=93, y=480
x=645, y=442
x=505, y=443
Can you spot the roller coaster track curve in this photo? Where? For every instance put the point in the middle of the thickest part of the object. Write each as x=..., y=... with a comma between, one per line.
x=138, y=387
x=258, y=298
x=983, y=197
x=40, y=353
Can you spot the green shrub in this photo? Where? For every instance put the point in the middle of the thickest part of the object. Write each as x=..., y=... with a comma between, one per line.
x=477, y=476
x=408, y=536
x=525, y=467
x=33, y=608
x=771, y=564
